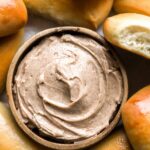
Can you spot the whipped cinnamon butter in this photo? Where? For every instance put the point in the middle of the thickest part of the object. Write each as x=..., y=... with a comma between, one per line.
x=68, y=87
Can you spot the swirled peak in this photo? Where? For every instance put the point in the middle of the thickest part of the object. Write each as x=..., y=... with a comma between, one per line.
x=68, y=87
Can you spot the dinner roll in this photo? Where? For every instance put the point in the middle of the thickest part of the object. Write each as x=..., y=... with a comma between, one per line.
x=13, y=16
x=117, y=140
x=8, y=47
x=11, y=137
x=85, y=13
x=132, y=6
x=129, y=31
x=136, y=119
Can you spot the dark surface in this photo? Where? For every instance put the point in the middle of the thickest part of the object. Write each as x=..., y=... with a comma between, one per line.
x=137, y=68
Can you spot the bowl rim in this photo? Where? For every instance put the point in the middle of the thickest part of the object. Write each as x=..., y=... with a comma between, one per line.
x=12, y=70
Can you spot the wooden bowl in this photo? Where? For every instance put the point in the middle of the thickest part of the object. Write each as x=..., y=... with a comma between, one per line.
x=27, y=46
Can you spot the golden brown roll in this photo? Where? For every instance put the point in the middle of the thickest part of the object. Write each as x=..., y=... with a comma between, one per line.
x=136, y=119
x=132, y=6
x=84, y=13
x=8, y=47
x=130, y=32
x=13, y=16
x=11, y=137
x=117, y=140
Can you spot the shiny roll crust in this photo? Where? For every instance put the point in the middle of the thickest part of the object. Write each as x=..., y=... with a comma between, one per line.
x=83, y=13
x=68, y=87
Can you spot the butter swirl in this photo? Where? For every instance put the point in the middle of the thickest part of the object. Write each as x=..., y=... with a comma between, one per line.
x=68, y=87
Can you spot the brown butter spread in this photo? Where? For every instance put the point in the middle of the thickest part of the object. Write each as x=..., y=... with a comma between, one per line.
x=68, y=87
